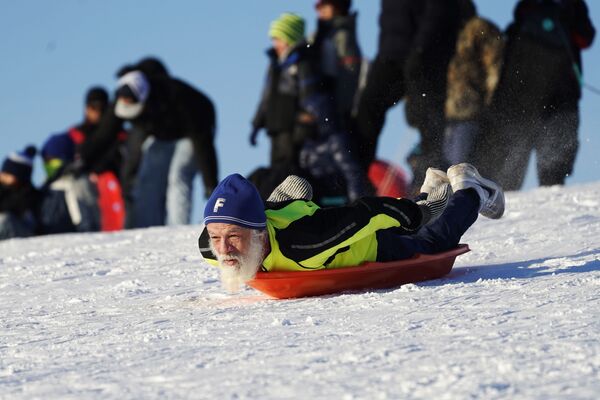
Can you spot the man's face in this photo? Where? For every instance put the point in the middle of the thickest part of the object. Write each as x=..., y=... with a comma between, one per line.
x=239, y=251
x=93, y=113
x=325, y=12
x=280, y=46
x=229, y=241
x=7, y=179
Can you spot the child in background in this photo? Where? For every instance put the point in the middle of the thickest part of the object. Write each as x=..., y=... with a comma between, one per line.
x=17, y=195
x=68, y=203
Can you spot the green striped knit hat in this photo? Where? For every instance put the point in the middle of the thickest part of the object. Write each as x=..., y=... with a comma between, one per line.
x=288, y=27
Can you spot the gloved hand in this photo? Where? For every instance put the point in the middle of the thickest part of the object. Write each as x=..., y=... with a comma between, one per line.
x=253, y=136
x=292, y=188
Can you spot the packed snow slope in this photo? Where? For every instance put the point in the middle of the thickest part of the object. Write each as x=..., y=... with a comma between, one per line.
x=136, y=314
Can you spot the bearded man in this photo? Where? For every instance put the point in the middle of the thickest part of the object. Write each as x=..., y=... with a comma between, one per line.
x=291, y=233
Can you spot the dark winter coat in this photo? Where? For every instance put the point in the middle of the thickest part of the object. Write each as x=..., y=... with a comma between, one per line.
x=18, y=199
x=542, y=66
x=17, y=208
x=111, y=159
x=422, y=35
x=291, y=87
x=426, y=26
x=174, y=110
x=474, y=70
x=338, y=59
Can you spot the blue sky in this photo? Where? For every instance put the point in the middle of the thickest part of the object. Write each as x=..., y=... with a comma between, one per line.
x=52, y=51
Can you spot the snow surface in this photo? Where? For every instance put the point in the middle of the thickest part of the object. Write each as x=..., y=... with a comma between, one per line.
x=136, y=314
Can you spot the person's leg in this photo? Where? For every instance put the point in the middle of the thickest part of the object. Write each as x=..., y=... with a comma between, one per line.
x=520, y=140
x=556, y=149
x=459, y=140
x=426, y=113
x=441, y=235
x=282, y=149
x=129, y=169
x=149, y=192
x=357, y=182
x=180, y=187
x=384, y=89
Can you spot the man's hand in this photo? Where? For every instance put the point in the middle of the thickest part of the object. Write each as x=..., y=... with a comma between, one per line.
x=306, y=118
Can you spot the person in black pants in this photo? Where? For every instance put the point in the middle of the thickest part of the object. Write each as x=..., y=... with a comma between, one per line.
x=416, y=42
x=536, y=104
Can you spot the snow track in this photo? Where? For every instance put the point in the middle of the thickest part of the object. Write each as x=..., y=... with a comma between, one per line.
x=136, y=314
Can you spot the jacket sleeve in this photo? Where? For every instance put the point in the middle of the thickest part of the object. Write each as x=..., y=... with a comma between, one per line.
x=432, y=25
x=308, y=85
x=259, y=120
x=314, y=101
x=204, y=149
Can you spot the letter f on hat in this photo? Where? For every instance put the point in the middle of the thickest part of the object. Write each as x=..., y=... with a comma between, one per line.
x=218, y=204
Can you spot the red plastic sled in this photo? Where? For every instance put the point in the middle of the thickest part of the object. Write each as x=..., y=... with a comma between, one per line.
x=375, y=275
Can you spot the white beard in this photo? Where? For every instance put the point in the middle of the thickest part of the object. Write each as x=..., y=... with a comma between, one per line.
x=247, y=267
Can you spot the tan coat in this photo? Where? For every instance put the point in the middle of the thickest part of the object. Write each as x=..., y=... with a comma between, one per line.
x=474, y=70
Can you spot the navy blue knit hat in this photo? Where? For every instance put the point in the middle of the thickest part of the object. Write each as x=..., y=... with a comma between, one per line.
x=236, y=201
x=20, y=164
x=59, y=146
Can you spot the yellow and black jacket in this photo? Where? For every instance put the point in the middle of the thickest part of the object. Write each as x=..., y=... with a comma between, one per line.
x=304, y=236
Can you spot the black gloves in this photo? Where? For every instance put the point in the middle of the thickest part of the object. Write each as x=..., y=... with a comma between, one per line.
x=253, y=136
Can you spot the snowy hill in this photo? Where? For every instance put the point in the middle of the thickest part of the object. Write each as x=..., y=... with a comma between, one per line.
x=136, y=314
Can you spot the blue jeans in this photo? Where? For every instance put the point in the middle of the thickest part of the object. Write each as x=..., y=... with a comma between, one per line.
x=441, y=235
x=180, y=187
x=459, y=141
x=150, y=188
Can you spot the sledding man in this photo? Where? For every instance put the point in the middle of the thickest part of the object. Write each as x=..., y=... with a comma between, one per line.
x=291, y=233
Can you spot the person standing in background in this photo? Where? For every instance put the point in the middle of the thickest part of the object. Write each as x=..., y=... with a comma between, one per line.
x=105, y=171
x=416, y=41
x=536, y=105
x=290, y=87
x=173, y=129
x=68, y=201
x=473, y=75
x=426, y=73
x=337, y=55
